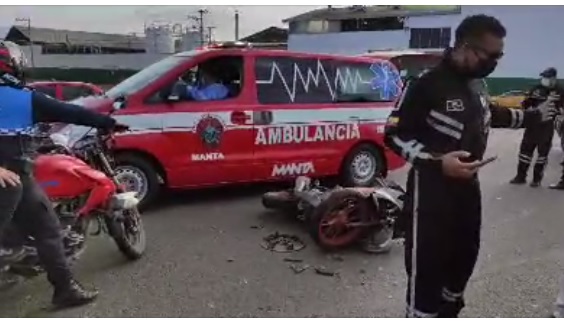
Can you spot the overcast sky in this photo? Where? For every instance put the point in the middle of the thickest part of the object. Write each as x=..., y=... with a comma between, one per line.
x=126, y=19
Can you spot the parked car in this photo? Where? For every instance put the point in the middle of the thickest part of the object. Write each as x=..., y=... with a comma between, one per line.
x=66, y=90
x=510, y=99
x=287, y=114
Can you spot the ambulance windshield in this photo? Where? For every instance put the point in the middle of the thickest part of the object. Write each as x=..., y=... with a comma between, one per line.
x=146, y=76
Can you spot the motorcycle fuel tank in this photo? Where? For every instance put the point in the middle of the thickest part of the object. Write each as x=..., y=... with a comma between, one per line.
x=63, y=176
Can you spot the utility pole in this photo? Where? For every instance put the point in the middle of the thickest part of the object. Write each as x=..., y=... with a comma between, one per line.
x=28, y=21
x=236, y=25
x=199, y=19
x=210, y=34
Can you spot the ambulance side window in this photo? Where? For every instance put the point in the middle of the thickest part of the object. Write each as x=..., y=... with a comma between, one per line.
x=226, y=71
x=289, y=80
x=362, y=82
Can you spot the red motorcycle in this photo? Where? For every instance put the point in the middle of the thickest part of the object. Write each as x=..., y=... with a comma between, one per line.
x=81, y=183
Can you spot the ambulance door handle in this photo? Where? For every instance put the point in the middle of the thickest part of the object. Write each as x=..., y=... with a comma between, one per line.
x=354, y=118
x=263, y=117
x=240, y=117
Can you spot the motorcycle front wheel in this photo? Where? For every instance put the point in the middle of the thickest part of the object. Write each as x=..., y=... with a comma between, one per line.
x=128, y=233
x=339, y=221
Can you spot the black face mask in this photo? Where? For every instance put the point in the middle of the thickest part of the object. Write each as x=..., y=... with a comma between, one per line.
x=484, y=68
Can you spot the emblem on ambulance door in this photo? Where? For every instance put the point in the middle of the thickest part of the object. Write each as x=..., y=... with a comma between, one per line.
x=210, y=129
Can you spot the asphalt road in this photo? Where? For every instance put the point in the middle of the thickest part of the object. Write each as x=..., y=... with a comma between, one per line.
x=204, y=260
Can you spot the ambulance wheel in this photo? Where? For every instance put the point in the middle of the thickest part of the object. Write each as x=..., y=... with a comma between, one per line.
x=137, y=174
x=362, y=165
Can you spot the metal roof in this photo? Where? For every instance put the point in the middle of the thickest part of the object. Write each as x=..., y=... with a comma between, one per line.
x=270, y=34
x=4, y=32
x=366, y=12
x=53, y=36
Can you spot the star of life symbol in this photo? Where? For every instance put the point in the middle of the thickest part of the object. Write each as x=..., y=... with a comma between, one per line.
x=386, y=80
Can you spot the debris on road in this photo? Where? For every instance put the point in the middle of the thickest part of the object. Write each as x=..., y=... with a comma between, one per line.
x=321, y=270
x=299, y=268
x=282, y=243
x=337, y=258
x=292, y=260
x=257, y=227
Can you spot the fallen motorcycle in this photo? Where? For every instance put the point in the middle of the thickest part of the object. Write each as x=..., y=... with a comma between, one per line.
x=79, y=179
x=338, y=217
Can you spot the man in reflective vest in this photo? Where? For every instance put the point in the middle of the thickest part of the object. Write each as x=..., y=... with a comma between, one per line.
x=22, y=201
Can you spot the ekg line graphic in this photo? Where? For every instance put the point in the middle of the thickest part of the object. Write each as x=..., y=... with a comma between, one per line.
x=343, y=77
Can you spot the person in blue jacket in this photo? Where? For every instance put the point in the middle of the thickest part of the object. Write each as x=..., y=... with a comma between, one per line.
x=22, y=202
x=208, y=89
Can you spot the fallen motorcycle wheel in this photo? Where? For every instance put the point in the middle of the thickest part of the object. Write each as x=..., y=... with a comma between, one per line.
x=128, y=233
x=339, y=221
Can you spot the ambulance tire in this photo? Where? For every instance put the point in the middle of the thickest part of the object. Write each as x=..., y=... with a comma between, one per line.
x=143, y=166
x=362, y=155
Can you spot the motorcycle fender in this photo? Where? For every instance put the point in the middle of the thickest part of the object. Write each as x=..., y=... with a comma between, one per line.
x=381, y=193
x=125, y=201
x=363, y=191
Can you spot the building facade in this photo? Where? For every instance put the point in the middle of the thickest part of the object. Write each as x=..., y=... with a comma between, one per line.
x=96, y=57
x=530, y=43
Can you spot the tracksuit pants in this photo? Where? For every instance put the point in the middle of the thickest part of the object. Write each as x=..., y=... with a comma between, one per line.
x=29, y=209
x=443, y=221
x=559, y=305
x=539, y=138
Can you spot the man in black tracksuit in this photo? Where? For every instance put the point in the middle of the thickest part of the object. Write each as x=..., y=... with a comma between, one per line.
x=441, y=126
x=22, y=201
x=538, y=135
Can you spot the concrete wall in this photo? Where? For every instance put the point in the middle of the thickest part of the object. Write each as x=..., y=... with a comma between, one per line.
x=532, y=44
x=111, y=62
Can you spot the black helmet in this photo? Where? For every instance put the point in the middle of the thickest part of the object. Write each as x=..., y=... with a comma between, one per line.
x=549, y=73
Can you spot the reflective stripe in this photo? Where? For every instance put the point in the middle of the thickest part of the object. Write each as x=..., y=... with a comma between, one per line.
x=541, y=160
x=187, y=121
x=451, y=296
x=29, y=131
x=403, y=94
x=411, y=150
x=447, y=120
x=517, y=118
x=443, y=129
x=412, y=312
x=525, y=158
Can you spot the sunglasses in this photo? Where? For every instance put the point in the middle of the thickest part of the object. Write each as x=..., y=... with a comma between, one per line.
x=490, y=55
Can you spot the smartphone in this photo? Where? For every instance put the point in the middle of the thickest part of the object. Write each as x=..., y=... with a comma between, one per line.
x=487, y=161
